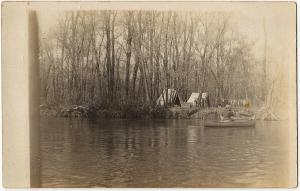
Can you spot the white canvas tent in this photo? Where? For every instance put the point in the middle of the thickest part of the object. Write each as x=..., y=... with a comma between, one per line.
x=172, y=97
x=193, y=99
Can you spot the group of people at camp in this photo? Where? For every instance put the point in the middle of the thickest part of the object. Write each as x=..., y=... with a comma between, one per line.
x=234, y=102
x=203, y=100
x=171, y=96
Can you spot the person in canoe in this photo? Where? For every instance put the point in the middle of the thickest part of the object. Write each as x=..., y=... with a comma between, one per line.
x=229, y=115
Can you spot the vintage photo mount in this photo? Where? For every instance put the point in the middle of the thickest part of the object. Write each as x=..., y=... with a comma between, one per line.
x=20, y=78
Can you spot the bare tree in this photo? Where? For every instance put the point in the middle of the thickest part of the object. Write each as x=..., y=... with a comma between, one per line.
x=112, y=58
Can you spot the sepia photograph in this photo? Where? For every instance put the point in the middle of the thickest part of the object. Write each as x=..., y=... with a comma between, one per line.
x=150, y=94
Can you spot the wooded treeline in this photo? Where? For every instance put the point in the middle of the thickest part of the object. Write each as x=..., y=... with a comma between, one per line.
x=114, y=58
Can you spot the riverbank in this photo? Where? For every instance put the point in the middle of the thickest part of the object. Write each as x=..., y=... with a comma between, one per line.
x=129, y=111
x=91, y=111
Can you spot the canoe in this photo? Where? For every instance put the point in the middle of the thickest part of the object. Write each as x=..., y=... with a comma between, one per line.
x=237, y=123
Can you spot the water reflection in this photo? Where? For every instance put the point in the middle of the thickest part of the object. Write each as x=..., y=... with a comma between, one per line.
x=160, y=153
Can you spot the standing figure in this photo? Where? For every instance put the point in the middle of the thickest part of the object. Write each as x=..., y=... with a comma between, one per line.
x=204, y=100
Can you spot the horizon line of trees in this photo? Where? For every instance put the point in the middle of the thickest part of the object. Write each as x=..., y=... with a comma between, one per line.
x=112, y=58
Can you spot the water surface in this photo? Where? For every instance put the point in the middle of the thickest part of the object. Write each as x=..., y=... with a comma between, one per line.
x=161, y=153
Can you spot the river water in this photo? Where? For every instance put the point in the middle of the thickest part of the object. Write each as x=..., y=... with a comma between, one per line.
x=161, y=153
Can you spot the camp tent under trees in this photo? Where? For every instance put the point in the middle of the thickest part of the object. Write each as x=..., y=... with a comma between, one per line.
x=194, y=98
x=170, y=98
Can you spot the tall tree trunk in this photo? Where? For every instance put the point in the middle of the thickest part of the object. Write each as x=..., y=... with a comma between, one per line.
x=113, y=60
x=108, y=55
x=134, y=76
x=128, y=53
